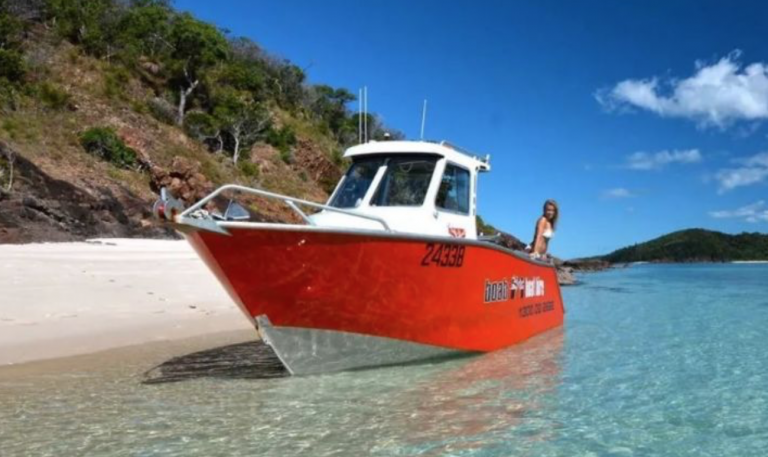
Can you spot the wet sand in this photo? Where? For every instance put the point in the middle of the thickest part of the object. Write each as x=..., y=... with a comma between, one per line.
x=64, y=299
x=228, y=354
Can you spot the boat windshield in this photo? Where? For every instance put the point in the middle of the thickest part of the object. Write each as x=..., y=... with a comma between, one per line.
x=406, y=181
x=356, y=182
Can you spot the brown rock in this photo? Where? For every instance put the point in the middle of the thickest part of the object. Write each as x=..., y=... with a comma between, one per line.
x=134, y=139
x=309, y=157
x=565, y=276
x=183, y=179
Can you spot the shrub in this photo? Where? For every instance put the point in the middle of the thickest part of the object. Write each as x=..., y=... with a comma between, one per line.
x=11, y=66
x=162, y=110
x=204, y=128
x=52, y=96
x=115, y=81
x=283, y=139
x=9, y=96
x=286, y=156
x=249, y=169
x=104, y=143
x=337, y=157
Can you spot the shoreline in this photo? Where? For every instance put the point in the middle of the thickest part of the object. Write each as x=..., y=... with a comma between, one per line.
x=147, y=356
x=65, y=299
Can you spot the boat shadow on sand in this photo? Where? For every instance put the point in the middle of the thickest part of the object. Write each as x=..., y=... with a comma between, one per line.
x=250, y=360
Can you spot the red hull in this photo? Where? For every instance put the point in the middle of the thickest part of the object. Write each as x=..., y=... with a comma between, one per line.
x=426, y=290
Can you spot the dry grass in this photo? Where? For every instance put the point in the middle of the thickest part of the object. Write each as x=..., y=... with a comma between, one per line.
x=50, y=137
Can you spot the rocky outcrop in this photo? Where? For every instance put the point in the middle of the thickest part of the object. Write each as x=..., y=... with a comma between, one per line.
x=509, y=241
x=183, y=179
x=307, y=156
x=587, y=265
x=565, y=276
x=39, y=207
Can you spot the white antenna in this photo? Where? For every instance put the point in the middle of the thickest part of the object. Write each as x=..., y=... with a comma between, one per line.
x=423, y=118
x=360, y=116
x=365, y=114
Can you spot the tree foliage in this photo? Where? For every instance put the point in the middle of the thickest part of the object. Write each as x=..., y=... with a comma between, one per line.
x=10, y=27
x=243, y=119
x=89, y=23
x=227, y=88
x=12, y=68
x=144, y=30
x=695, y=245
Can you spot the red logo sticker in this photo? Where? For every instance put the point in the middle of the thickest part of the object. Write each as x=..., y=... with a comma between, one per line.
x=457, y=232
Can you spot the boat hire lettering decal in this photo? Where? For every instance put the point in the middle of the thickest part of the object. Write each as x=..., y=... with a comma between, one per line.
x=536, y=308
x=443, y=255
x=513, y=288
x=496, y=291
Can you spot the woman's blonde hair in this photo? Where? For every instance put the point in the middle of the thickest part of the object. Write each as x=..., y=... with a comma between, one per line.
x=557, y=212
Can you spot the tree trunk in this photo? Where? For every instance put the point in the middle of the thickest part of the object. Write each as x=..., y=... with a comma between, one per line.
x=11, y=158
x=183, y=94
x=236, y=136
x=221, y=143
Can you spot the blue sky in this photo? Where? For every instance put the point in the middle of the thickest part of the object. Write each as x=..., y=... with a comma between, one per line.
x=639, y=118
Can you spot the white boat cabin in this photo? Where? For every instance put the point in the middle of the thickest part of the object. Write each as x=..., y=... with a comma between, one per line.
x=415, y=186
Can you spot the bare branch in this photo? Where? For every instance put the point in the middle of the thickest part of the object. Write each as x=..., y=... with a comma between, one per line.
x=10, y=158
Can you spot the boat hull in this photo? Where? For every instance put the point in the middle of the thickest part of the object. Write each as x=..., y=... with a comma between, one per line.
x=328, y=300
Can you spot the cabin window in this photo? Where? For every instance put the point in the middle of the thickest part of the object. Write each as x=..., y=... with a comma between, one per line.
x=356, y=183
x=406, y=181
x=453, y=194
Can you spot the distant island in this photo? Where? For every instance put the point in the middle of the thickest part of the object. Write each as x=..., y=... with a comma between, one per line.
x=694, y=245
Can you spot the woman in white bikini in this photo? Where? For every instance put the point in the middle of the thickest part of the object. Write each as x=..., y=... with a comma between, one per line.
x=545, y=229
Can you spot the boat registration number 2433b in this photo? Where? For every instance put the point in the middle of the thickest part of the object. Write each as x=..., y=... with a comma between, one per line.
x=443, y=255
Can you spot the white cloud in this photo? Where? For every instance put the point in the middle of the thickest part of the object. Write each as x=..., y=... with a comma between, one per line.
x=618, y=192
x=715, y=95
x=657, y=160
x=757, y=160
x=751, y=213
x=753, y=170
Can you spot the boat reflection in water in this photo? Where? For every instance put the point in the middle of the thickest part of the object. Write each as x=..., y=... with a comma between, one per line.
x=497, y=400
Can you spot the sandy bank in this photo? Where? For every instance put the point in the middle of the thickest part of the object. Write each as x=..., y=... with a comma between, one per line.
x=73, y=298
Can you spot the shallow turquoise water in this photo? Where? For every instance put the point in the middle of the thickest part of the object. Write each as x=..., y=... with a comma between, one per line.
x=653, y=360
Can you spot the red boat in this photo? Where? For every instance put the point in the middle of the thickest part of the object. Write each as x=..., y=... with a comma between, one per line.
x=389, y=271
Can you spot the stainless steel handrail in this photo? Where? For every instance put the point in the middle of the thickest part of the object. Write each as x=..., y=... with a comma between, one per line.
x=291, y=202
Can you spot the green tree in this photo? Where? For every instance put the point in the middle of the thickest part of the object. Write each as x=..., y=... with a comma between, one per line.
x=145, y=29
x=242, y=118
x=329, y=105
x=286, y=81
x=90, y=23
x=205, y=128
x=12, y=68
x=10, y=27
x=196, y=47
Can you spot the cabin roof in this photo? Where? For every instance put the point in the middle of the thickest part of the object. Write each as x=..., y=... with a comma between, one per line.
x=443, y=148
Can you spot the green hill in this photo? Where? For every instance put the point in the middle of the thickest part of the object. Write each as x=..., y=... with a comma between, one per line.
x=695, y=245
x=102, y=102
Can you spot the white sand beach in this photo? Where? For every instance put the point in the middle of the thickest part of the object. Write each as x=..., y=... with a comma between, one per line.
x=61, y=299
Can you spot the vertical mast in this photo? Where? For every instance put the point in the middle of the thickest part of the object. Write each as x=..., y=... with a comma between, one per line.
x=360, y=116
x=423, y=118
x=365, y=114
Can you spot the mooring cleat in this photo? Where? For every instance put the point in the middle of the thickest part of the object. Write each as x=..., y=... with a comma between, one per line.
x=166, y=208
